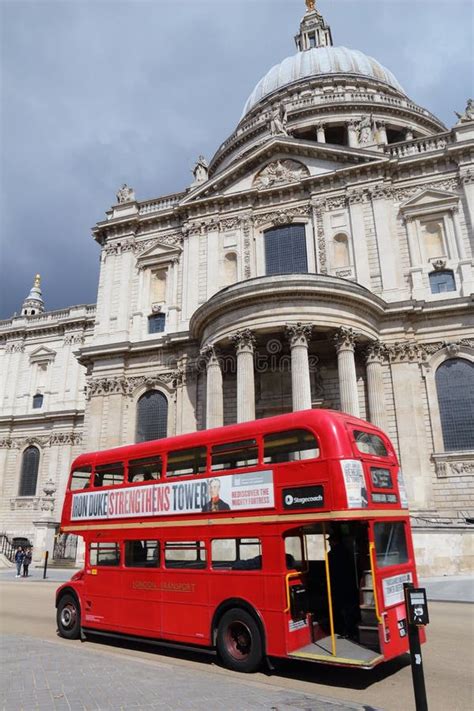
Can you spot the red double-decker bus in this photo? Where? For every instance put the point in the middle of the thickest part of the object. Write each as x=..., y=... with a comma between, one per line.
x=283, y=537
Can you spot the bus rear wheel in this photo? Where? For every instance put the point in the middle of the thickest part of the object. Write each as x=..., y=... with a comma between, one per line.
x=239, y=642
x=68, y=617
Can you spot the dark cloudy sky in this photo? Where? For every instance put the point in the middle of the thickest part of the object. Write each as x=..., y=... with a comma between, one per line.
x=95, y=93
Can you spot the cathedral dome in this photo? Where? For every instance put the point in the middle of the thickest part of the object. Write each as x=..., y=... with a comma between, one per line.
x=319, y=62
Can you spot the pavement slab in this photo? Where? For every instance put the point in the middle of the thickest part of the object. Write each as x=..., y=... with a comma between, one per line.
x=37, y=674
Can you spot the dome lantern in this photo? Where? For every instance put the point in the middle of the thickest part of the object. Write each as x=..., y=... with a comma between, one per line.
x=33, y=304
x=314, y=31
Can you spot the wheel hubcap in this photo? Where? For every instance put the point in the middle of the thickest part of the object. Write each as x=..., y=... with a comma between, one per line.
x=68, y=616
x=238, y=640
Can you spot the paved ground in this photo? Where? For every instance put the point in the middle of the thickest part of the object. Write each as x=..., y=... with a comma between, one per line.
x=55, y=676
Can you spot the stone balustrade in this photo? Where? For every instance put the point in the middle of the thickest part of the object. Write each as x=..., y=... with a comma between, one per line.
x=419, y=145
x=164, y=203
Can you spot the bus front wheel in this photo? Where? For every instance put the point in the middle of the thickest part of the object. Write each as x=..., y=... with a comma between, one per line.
x=239, y=642
x=69, y=617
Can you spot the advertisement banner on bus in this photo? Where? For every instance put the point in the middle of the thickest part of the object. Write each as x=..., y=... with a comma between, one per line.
x=222, y=493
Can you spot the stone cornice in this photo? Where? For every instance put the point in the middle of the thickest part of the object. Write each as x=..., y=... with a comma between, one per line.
x=55, y=439
x=48, y=324
x=40, y=419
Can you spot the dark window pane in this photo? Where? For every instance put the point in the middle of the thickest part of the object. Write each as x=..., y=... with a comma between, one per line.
x=156, y=323
x=186, y=461
x=442, y=281
x=185, y=554
x=80, y=478
x=29, y=471
x=145, y=469
x=104, y=554
x=290, y=446
x=455, y=386
x=234, y=455
x=285, y=250
x=390, y=544
x=142, y=554
x=109, y=475
x=37, y=401
x=152, y=416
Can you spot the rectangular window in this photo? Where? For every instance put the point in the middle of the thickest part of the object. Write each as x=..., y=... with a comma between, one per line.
x=80, y=478
x=104, y=554
x=145, y=469
x=108, y=474
x=381, y=478
x=237, y=554
x=184, y=462
x=285, y=250
x=294, y=553
x=37, y=401
x=185, y=554
x=390, y=543
x=156, y=323
x=142, y=554
x=369, y=443
x=234, y=455
x=289, y=446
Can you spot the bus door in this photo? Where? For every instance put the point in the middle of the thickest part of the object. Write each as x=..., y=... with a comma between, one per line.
x=185, y=598
x=392, y=565
x=103, y=584
x=141, y=587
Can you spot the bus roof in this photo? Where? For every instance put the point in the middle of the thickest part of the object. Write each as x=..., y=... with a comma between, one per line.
x=330, y=422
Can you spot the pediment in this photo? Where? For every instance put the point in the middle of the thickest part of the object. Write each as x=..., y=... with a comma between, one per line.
x=161, y=249
x=428, y=198
x=280, y=162
x=42, y=354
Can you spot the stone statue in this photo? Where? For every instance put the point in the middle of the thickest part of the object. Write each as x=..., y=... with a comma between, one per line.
x=125, y=194
x=366, y=130
x=278, y=122
x=310, y=5
x=468, y=114
x=200, y=171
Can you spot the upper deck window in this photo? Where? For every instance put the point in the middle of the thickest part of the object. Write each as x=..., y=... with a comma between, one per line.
x=80, y=478
x=109, y=474
x=290, y=446
x=184, y=462
x=145, y=469
x=369, y=443
x=234, y=455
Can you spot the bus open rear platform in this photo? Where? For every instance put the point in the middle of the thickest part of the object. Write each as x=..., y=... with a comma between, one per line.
x=348, y=653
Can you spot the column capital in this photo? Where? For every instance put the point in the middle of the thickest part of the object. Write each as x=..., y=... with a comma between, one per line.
x=244, y=340
x=404, y=352
x=299, y=334
x=376, y=352
x=345, y=339
x=210, y=354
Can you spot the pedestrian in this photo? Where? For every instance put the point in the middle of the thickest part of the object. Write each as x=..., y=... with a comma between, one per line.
x=26, y=562
x=19, y=555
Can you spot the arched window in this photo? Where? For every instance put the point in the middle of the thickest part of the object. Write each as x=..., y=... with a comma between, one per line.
x=152, y=416
x=285, y=250
x=37, y=401
x=455, y=387
x=29, y=471
x=341, y=251
x=230, y=268
x=442, y=281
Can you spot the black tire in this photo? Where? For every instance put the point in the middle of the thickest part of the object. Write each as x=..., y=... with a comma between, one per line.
x=239, y=641
x=68, y=617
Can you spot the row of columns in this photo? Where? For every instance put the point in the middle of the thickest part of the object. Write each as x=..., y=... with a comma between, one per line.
x=299, y=336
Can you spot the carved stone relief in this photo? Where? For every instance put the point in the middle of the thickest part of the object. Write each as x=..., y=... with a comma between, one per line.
x=280, y=172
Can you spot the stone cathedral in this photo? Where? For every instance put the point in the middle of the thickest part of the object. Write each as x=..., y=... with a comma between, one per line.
x=322, y=258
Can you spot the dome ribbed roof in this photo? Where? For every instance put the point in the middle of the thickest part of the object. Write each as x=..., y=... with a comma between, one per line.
x=319, y=61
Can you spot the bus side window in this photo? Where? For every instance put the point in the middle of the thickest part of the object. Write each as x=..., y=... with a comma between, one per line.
x=236, y=554
x=80, y=478
x=145, y=469
x=142, y=554
x=184, y=462
x=234, y=455
x=294, y=553
x=185, y=554
x=370, y=443
x=108, y=475
x=104, y=554
x=289, y=446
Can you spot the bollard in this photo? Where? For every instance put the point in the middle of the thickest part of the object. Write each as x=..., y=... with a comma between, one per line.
x=46, y=556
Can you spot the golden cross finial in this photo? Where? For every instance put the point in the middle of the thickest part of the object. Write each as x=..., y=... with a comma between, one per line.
x=37, y=281
x=310, y=5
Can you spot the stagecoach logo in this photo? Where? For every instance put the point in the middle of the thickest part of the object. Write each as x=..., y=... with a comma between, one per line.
x=304, y=497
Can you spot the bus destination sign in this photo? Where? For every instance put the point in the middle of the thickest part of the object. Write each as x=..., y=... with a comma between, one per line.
x=223, y=493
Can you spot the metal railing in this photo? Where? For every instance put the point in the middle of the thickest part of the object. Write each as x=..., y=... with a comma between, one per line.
x=6, y=547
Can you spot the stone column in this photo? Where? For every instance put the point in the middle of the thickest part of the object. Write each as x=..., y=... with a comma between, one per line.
x=345, y=342
x=214, y=388
x=321, y=134
x=375, y=356
x=382, y=129
x=244, y=342
x=299, y=335
x=45, y=528
x=352, y=134
x=467, y=182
